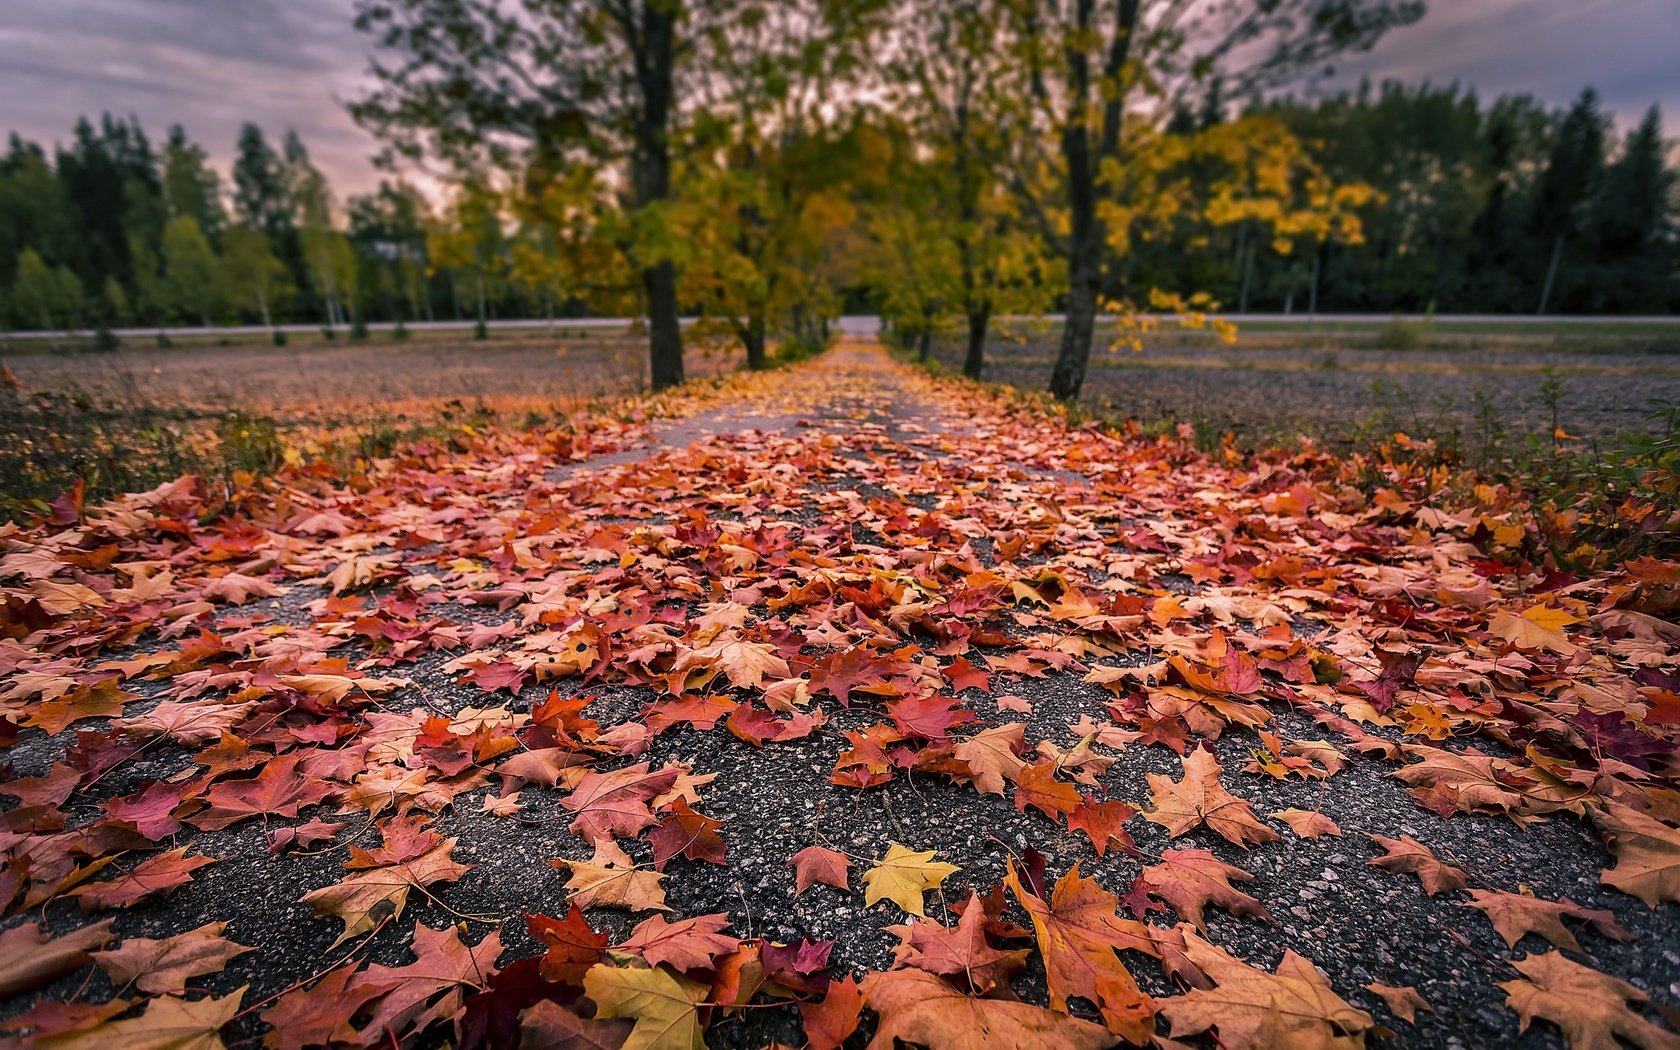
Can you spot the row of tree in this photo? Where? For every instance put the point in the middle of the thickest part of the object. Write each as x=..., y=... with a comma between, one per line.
x=940, y=161
x=111, y=232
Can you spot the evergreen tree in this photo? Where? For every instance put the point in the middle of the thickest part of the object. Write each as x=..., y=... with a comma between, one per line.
x=190, y=187
x=1571, y=176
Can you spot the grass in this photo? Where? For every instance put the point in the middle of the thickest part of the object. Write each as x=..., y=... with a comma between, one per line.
x=1593, y=503
x=130, y=420
x=1295, y=333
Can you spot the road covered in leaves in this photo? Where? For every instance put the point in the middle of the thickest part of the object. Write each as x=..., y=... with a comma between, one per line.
x=830, y=705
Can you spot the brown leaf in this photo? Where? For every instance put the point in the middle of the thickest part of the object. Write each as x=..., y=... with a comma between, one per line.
x=1403, y=1003
x=1251, y=1009
x=368, y=897
x=1307, y=823
x=1191, y=879
x=156, y=875
x=607, y=886
x=29, y=958
x=162, y=967
x=1590, y=1007
x=919, y=1009
x=1515, y=914
x=573, y=945
x=1647, y=853
x=1408, y=854
x=687, y=944
x=958, y=950
x=1200, y=798
x=830, y=1022
x=1078, y=933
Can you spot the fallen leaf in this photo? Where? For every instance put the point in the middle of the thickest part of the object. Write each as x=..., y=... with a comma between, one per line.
x=665, y=1007
x=1199, y=798
x=1408, y=854
x=1403, y=1003
x=1591, y=1008
x=815, y=864
x=163, y=967
x=1078, y=933
x=903, y=876
x=29, y=958
x=919, y=1009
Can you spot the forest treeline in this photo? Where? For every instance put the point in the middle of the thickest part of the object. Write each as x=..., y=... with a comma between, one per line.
x=981, y=161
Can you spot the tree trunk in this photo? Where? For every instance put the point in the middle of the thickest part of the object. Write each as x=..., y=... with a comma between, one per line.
x=1247, y=273
x=974, y=361
x=1312, y=299
x=1551, y=274
x=654, y=52
x=665, y=351
x=1084, y=272
x=752, y=337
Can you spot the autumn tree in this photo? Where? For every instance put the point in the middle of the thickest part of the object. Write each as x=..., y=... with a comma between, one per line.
x=468, y=239
x=543, y=85
x=1088, y=74
x=943, y=71
x=569, y=238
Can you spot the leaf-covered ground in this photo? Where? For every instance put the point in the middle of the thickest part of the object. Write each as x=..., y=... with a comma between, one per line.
x=823, y=706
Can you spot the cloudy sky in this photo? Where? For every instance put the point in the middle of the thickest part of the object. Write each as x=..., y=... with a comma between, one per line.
x=212, y=64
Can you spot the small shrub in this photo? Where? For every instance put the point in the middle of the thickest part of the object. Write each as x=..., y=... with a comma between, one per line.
x=328, y=333
x=358, y=329
x=163, y=341
x=481, y=330
x=377, y=439
x=1398, y=334
x=105, y=339
x=250, y=443
x=278, y=337
x=399, y=333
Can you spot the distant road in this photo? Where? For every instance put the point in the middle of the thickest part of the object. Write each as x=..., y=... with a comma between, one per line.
x=864, y=325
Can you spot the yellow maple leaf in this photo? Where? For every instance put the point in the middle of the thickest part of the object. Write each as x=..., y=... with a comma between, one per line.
x=903, y=876
x=1537, y=627
x=666, y=1008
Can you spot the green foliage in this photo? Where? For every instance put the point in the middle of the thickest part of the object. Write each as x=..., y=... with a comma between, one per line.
x=1399, y=334
x=192, y=277
x=249, y=442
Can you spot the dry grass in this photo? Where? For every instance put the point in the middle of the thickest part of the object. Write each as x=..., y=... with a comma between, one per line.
x=132, y=418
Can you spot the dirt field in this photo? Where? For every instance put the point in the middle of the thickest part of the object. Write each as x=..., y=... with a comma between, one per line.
x=320, y=382
x=1342, y=385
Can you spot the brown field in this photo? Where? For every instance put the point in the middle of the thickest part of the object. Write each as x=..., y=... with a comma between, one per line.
x=133, y=418
x=313, y=382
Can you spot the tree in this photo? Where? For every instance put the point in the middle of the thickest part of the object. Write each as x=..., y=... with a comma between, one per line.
x=190, y=186
x=36, y=294
x=116, y=309
x=1082, y=67
x=255, y=276
x=1571, y=176
x=1631, y=222
x=944, y=71
x=388, y=231
x=327, y=259
x=537, y=86
x=469, y=239
x=191, y=277
x=260, y=196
